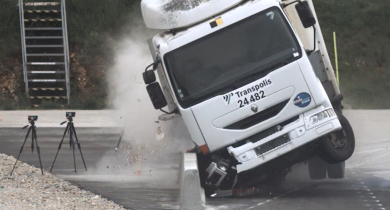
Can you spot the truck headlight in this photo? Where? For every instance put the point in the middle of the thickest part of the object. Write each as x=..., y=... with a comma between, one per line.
x=320, y=116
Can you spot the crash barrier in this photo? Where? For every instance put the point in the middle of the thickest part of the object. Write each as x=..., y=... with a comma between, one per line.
x=190, y=189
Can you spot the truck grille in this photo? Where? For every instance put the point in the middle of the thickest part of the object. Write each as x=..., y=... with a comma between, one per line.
x=259, y=117
x=264, y=134
x=273, y=144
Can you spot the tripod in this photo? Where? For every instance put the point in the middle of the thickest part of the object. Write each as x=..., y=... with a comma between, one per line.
x=71, y=130
x=33, y=131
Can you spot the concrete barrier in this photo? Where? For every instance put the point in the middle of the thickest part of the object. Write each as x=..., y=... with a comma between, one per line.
x=190, y=189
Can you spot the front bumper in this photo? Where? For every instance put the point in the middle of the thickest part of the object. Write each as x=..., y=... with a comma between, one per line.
x=291, y=136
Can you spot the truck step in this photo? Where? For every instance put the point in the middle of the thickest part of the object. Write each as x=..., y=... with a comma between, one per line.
x=34, y=4
x=43, y=29
x=44, y=37
x=37, y=106
x=47, y=80
x=44, y=46
x=41, y=11
x=45, y=54
x=45, y=63
x=47, y=89
x=46, y=72
x=48, y=97
x=43, y=20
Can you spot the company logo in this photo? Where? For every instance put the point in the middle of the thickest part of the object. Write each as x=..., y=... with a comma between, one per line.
x=227, y=98
x=302, y=100
x=254, y=108
x=248, y=93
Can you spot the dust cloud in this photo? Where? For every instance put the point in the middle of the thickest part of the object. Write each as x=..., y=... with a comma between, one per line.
x=140, y=151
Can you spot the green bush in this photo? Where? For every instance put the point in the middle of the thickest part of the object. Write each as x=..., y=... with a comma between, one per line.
x=7, y=104
x=50, y=105
x=363, y=40
x=9, y=29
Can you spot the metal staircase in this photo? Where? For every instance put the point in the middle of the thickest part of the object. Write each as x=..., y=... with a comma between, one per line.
x=45, y=50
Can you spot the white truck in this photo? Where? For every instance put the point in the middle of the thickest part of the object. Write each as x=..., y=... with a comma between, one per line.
x=254, y=84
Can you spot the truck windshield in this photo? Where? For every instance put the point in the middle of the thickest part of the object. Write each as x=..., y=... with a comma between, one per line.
x=231, y=57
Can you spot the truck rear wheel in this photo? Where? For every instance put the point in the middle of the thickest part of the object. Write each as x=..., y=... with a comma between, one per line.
x=336, y=171
x=339, y=145
x=317, y=168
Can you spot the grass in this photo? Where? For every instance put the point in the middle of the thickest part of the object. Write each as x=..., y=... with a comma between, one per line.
x=361, y=26
x=363, y=37
x=9, y=29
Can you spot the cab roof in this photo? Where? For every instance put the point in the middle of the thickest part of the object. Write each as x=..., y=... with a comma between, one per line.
x=174, y=14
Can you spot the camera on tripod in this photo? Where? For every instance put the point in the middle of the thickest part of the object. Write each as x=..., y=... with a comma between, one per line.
x=32, y=118
x=70, y=114
x=34, y=140
x=71, y=130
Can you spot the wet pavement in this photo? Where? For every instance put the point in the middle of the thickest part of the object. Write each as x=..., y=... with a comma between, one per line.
x=154, y=184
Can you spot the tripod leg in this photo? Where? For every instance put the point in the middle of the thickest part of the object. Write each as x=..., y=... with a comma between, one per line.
x=32, y=140
x=21, y=149
x=73, y=144
x=59, y=146
x=78, y=144
x=70, y=139
x=38, y=149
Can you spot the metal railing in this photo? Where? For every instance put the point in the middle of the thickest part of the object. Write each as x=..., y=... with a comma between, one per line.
x=66, y=47
x=23, y=36
x=35, y=47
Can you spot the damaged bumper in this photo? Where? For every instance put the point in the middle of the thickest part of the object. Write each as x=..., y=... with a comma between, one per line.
x=310, y=126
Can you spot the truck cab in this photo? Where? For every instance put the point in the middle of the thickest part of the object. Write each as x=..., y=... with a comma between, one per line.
x=247, y=89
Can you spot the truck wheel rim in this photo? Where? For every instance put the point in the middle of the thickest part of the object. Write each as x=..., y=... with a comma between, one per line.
x=339, y=139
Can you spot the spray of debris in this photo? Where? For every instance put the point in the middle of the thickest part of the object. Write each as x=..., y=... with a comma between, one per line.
x=182, y=5
x=172, y=8
x=147, y=143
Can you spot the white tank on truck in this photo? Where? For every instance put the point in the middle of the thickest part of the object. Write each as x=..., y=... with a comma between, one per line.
x=254, y=84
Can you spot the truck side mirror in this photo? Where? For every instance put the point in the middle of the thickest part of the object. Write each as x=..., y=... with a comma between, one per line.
x=149, y=77
x=305, y=14
x=156, y=95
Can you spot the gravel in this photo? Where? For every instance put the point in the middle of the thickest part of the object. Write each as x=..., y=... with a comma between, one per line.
x=27, y=188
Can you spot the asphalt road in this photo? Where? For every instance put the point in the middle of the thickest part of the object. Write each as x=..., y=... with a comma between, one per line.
x=114, y=175
x=149, y=180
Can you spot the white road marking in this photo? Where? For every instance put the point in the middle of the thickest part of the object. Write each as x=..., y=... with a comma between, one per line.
x=369, y=160
x=371, y=200
x=274, y=198
x=369, y=151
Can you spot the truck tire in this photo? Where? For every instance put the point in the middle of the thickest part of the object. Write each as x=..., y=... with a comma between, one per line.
x=317, y=168
x=338, y=146
x=336, y=171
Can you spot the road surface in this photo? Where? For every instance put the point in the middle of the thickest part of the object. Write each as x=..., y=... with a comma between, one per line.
x=150, y=181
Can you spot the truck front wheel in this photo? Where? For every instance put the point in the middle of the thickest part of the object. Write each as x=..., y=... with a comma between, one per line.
x=339, y=145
